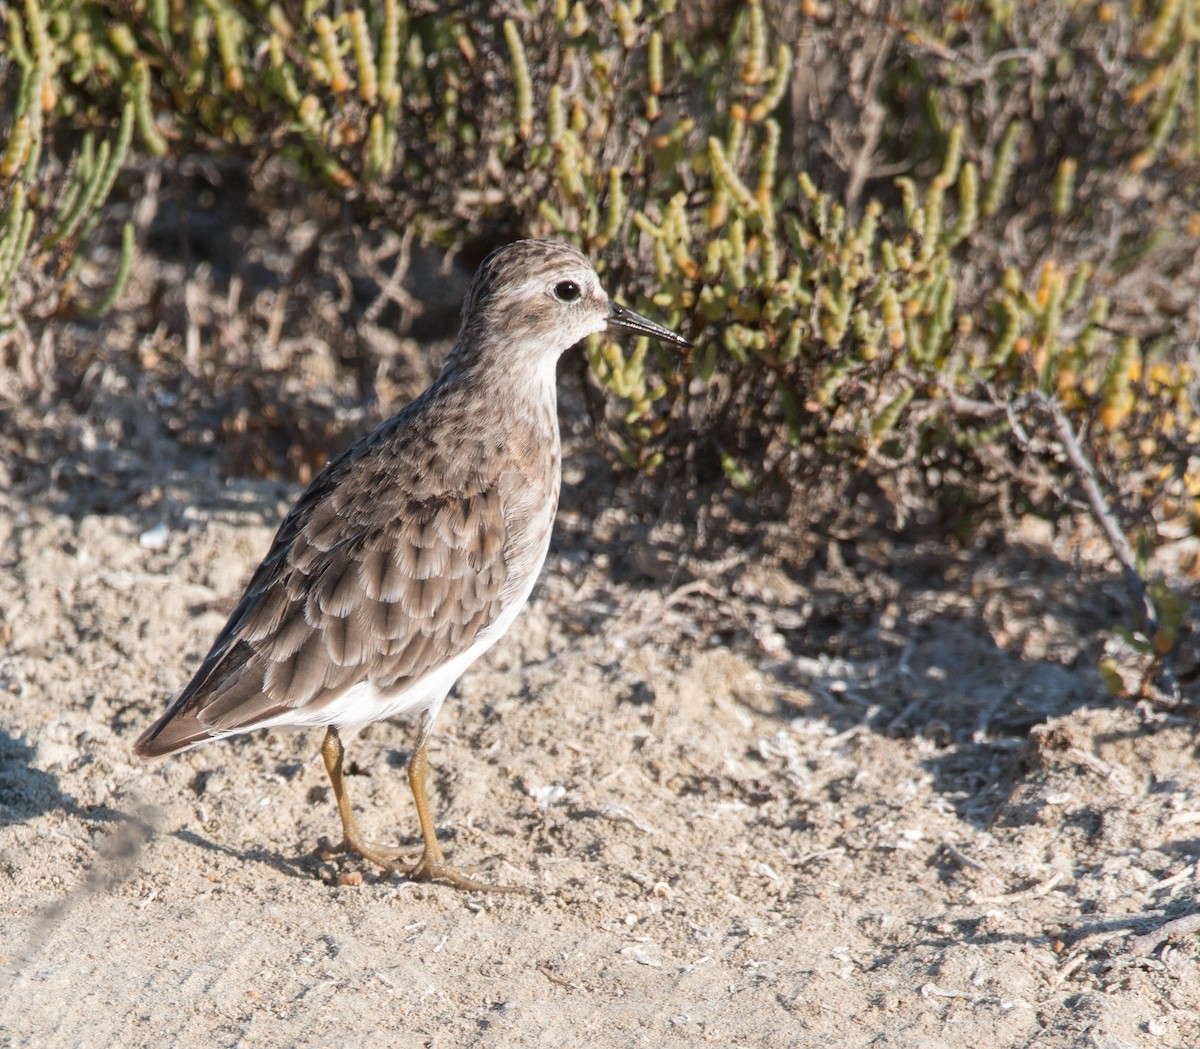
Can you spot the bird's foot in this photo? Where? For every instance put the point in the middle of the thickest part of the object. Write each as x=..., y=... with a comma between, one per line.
x=390, y=859
x=432, y=866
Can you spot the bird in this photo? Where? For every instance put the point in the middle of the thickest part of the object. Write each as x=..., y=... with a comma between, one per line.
x=413, y=551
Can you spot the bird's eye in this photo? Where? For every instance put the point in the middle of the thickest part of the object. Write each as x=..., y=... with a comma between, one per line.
x=566, y=291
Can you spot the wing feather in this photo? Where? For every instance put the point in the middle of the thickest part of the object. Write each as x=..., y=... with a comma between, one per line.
x=392, y=561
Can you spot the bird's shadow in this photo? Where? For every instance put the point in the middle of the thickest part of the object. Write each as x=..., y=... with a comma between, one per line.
x=26, y=791
x=304, y=867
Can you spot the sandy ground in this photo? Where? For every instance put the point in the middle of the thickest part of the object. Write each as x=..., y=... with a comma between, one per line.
x=893, y=807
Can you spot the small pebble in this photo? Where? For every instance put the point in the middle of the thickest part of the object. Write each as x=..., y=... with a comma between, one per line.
x=352, y=878
x=155, y=538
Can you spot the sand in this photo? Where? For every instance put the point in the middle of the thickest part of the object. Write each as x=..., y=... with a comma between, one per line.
x=889, y=804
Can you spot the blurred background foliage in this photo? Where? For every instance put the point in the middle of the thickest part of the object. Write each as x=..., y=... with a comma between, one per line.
x=910, y=240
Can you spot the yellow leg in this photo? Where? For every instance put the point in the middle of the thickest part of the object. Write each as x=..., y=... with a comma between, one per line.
x=432, y=864
x=352, y=840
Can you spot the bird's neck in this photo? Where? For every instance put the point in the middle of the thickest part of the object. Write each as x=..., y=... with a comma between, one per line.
x=518, y=377
x=520, y=401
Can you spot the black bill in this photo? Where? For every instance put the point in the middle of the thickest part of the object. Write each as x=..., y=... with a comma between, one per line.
x=624, y=317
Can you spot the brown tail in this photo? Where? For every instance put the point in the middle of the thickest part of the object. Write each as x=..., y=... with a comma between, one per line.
x=170, y=733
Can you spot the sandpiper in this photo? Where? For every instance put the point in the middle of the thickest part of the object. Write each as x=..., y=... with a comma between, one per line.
x=414, y=550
